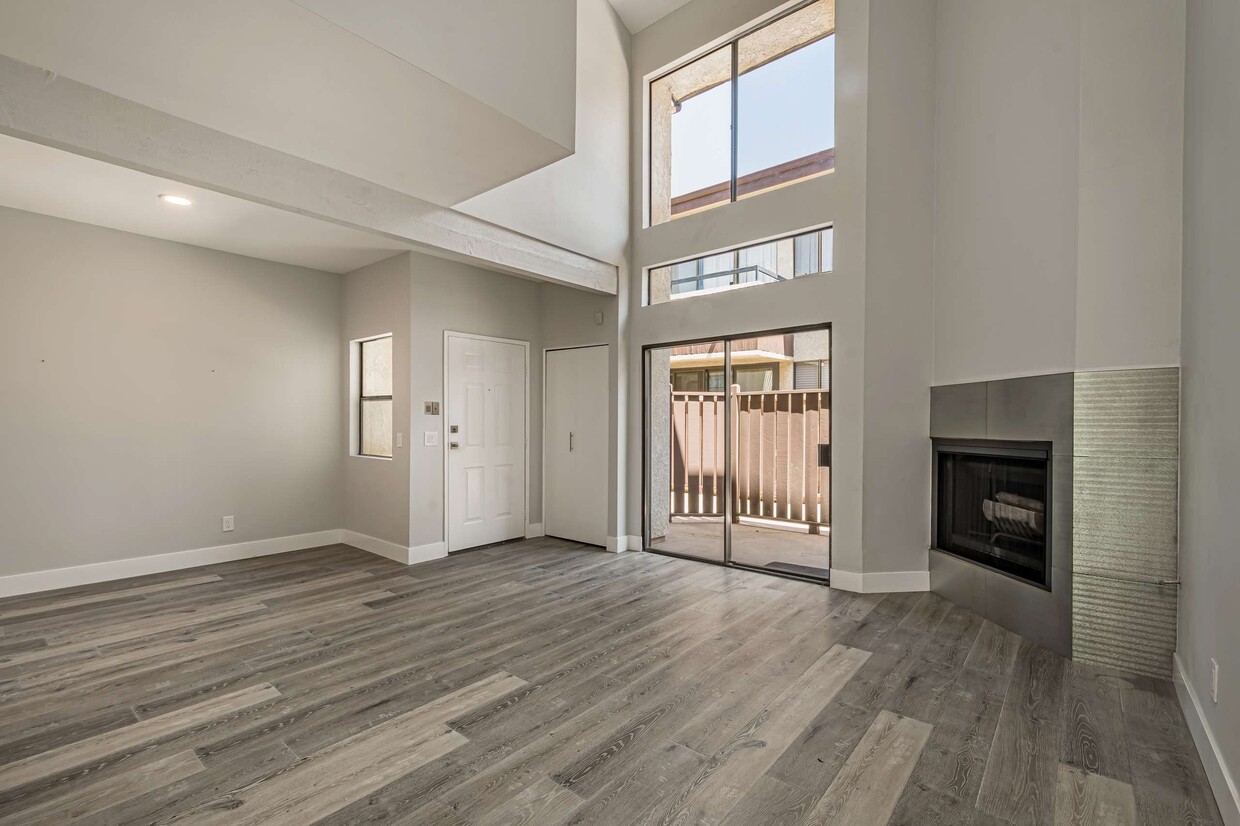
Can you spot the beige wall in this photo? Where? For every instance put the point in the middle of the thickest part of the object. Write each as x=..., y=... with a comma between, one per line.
x=837, y=298
x=151, y=388
x=570, y=319
x=1210, y=389
x=446, y=295
x=898, y=287
x=376, y=490
x=1059, y=132
x=419, y=297
x=876, y=299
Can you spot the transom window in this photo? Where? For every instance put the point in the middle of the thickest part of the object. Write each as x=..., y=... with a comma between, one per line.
x=767, y=263
x=375, y=397
x=754, y=114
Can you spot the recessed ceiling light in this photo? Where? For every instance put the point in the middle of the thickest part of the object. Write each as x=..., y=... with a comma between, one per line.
x=176, y=200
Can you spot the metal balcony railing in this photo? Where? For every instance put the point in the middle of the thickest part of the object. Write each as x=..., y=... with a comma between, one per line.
x=753, y=274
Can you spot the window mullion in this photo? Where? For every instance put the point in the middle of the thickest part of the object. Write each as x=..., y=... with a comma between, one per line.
x=735, y=112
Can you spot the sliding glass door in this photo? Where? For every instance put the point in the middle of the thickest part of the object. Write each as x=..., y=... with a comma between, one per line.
x=738, y=451
x=685, y=467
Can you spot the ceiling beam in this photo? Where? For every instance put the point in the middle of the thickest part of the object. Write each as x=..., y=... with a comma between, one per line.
x=40, y=106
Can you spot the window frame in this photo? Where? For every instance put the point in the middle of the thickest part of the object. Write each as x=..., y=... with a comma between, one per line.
x=820, y=364
x=733, y=45
x=699, y=265
x=362, y=398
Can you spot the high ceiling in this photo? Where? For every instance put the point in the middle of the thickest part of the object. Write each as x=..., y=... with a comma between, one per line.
x=331, y=84
x=48, y=181
x=638, y=14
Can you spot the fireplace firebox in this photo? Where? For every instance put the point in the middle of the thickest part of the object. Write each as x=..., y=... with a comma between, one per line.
x=993, y=505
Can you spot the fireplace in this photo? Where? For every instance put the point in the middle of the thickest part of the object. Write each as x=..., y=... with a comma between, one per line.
x=993, y=505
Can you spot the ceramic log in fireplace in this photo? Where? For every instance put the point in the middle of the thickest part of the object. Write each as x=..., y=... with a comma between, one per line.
x=993, y=505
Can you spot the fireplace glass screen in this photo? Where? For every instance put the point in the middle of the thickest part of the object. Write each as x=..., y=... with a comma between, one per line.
x=994, y=509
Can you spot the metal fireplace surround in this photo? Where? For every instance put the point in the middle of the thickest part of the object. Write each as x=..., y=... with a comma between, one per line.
x=1017, y=525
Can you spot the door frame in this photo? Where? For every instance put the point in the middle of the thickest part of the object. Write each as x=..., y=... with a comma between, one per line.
x=727, y=443
x=547, y=350
x=447, y=493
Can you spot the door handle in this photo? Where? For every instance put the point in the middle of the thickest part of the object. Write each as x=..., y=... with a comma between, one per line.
x=570, y=441
x=453, y=445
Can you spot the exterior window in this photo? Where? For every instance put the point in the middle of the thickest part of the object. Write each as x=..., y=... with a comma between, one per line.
x=766, y=263
x=811, y=375
x=750, y=378
x=756, y=378
x=375, y=398
x=777, y=82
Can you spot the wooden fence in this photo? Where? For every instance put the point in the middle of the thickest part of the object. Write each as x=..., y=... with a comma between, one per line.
x=775, y=453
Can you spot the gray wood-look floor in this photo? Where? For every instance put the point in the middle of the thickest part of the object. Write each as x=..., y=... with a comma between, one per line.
x=545, y=683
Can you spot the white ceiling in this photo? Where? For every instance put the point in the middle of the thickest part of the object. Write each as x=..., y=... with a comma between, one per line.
x=519, y=57
x=37, y=178
x=276, y=73
x=638, y=14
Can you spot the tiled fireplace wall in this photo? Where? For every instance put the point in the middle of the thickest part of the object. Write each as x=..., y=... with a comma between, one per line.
x=1115, y=438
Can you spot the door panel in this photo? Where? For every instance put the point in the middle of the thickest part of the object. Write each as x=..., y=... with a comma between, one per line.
x=685, y=456
x=485, y=392
x=575, y=444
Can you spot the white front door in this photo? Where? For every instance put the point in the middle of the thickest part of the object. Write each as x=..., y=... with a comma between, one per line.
x=485, y=418
x=575, y=444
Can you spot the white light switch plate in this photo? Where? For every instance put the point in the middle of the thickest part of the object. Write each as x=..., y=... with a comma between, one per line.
x=400, y=439
x=432, y=438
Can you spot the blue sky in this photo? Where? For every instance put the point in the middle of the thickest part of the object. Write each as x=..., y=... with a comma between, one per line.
x=787, y=111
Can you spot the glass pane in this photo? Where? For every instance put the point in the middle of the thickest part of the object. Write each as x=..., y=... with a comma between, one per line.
x=377, y=427
x=685, y=277
x=759, y=264
x=764, y=263
x=828, y=250
x=685, y=381
x=807, y=254
x=691, y=137
x=786, y=100
x=685, y=458
x=780, y=473
x=377, y=367
x=749, y=379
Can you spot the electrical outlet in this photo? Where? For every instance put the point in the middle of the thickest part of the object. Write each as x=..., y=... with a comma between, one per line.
x=1214, y=679
x=228, y=524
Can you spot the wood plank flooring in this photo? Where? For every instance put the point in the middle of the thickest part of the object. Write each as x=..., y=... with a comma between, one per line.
x=547, y=683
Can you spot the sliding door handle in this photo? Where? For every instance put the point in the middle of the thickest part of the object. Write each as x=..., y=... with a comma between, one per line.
x=570, y=441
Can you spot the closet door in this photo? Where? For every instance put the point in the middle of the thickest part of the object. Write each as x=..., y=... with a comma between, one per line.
x=575, y=444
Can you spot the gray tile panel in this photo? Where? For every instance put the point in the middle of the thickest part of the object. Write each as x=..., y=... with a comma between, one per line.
x=1036, y=408
x=1125, y=625
x=1128, y=413
x=958, y=411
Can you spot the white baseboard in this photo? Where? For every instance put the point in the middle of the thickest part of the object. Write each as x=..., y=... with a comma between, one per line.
x=534, y=530
x=1221, y=781
x=425, y=553
x=617, y=544
x=376, y=546
x=635, y=543
x=49, y=580
x=880, y=582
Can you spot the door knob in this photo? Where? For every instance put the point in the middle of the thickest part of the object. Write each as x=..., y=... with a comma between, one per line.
x=453, y=445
